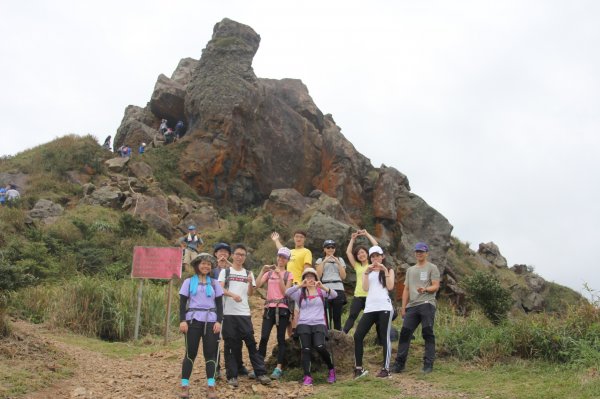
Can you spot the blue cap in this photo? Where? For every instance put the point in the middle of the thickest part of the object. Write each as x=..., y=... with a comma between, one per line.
x=191, y=227
x=221, y=245
x=421, y=246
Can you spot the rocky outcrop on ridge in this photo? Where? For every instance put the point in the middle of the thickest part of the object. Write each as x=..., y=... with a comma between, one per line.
x=248, y=138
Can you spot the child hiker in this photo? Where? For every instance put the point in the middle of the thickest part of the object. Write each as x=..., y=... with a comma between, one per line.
x=200, y=316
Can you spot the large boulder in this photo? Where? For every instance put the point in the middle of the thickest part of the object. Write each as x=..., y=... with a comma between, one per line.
x=491, y=253
x=155, y=211
x=183, y=73
x=117, y=164
x=46, y=211
x=168, y=99
x=287, y=205
x=138, y=126
x=107, y=196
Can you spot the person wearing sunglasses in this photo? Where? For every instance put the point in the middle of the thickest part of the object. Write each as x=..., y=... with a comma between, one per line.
x=331, y=271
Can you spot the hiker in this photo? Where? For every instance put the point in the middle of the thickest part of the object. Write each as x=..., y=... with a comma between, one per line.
x=169, y=137
x=2, y=196
x=12, y=195
x=277, y=312
x=163, y=126
x=142, y=148
x=310, y=295
x=125, y=151
x=238, y=283
x=359, y=260
x=221, y=251
x=421, y=283
x=377, y=280
x=301, y=258
x=106, y=144
x=331, y=270
x=191, y=243
x=200, y=317
x=179, y=130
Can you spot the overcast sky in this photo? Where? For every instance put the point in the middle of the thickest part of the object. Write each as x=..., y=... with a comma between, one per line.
x=490, y=108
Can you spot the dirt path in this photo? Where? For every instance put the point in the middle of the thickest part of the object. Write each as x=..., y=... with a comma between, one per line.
x=156, y=375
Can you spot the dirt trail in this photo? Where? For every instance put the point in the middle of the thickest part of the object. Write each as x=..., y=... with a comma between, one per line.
x=156, y=375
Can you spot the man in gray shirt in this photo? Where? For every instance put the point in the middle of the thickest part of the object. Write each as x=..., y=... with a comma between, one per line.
x=421, y=283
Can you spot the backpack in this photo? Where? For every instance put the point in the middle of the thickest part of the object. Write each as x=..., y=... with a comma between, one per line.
x=228, y=273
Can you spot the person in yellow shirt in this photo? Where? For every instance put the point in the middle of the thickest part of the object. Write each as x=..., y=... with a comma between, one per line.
x=301, y=259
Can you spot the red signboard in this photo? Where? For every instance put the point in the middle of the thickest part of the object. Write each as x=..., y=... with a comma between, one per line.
x=156, y=263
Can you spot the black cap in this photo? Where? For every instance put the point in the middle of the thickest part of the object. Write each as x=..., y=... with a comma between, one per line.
x=221, y=245
x=328, y=243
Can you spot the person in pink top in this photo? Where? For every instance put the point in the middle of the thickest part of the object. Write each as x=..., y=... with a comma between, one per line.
x=277, y=312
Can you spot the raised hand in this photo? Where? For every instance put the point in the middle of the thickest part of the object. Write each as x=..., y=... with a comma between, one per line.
x=275, y=236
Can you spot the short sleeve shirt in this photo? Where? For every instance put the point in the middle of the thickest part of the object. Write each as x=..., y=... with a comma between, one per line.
x=360, y=270
x=331, y=275
x=295, y=265
x=273, y=289
x=421, y=276
x=238, y=284
x=201, y=301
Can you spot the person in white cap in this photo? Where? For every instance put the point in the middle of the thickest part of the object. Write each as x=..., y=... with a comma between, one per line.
x=378, y=280
x=142, y=148
x=421, y=283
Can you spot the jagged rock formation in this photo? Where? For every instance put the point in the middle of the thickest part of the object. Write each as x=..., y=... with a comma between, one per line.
x=247, y=138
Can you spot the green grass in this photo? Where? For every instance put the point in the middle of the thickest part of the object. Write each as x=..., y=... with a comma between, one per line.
x=517, y=379
x=366, y=387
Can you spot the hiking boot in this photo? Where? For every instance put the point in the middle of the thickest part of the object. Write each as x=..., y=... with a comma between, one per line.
x=277, y=374
x=252, y=375
x=233, y=382
x=307, y=381
x=398, y=367
x=359, y=372
x=383, y=373
x=427, y=368
x=243, y=371
x=212, y=393
x=331, y=376
x=263, y=379
x=185, y=392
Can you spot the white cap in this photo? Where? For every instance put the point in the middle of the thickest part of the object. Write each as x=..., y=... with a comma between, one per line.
x=375, y=250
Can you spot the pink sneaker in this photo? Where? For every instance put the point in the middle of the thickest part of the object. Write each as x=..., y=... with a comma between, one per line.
x=307, y=381
x=331, y=377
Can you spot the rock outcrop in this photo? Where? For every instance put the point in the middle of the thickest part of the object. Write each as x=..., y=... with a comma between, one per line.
x=251, y=140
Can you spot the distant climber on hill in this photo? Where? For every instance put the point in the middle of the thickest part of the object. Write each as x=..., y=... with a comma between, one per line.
x=2, y=196
x=191, y=243
x=142, y=148
x=125, y=151
x=12, y=195
x=106, y=144
x=163, y=126
x=179, y=130
x=169, y=136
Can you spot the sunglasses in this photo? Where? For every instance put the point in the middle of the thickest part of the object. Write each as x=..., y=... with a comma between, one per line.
x=330, y=247
x=420, y=252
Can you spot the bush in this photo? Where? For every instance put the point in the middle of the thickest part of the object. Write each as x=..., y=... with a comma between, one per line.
x=486, y=291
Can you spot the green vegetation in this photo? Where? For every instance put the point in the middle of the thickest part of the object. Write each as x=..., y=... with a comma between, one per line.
x=486, y=291
x=97, y=307
x=165, y=167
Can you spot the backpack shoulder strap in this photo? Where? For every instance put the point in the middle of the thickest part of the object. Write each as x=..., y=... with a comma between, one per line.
x=286, y=277
x=227, y=273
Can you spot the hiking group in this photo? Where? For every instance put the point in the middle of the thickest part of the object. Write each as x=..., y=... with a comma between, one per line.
x=302, y=300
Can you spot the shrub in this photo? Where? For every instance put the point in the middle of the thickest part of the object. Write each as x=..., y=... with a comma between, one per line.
x=486, y=291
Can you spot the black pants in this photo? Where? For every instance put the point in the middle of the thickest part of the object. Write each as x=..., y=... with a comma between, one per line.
x=238, y=330
x=210, y=348
x=313, y=337
x=269, y=321
x=334, y=310
x=423, y=314
x=358, y=304
x=383, y=321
